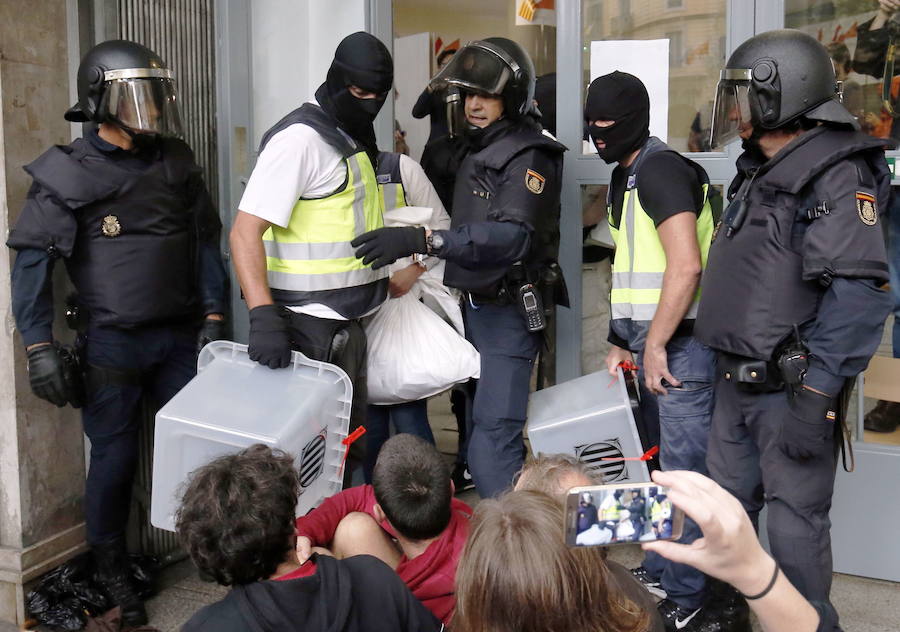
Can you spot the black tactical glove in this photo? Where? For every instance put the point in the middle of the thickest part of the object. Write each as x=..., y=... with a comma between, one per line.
x=270, y=343
x=210, y=330
x=45, y=372
x=805, y=429
x=383, y=246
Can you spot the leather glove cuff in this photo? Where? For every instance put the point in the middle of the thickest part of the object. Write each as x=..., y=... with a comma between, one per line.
x=268, y=318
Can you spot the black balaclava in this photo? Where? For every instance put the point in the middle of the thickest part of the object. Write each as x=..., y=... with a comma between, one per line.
x=622, y=98
x=363, y=61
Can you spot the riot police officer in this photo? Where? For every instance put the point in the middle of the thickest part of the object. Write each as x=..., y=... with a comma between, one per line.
x=127, y=211
x=790, y=296
x=503, y=241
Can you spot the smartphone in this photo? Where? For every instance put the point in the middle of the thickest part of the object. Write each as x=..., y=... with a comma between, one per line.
x=602, y=515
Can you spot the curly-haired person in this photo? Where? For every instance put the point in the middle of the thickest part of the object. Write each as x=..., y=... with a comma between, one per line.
x=236, y=520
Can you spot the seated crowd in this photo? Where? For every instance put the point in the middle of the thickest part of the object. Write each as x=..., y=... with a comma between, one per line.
x=404, y=554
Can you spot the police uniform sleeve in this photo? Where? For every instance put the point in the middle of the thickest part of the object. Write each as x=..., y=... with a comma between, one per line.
x=32, y=295
x=846, y=247
x=213, y=279
x=847, y=241
x=45, y=224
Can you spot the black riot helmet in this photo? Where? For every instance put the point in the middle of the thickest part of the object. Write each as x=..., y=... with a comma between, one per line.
x=773, y=79
x=495, y=66
x=127, y=84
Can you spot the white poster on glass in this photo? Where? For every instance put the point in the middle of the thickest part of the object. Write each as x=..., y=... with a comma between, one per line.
x=648, y=60
x=414, y=51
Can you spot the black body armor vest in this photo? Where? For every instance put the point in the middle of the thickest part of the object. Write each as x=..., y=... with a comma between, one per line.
x=477, y=183
x=753, y=288
x=134, y=261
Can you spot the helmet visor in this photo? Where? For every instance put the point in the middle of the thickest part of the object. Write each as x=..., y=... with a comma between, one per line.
x=475, y=68
x=731, y=109
x=144, y=105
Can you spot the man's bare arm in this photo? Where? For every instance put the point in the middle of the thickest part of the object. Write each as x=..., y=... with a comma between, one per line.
x=249, y=257
x=681, y=279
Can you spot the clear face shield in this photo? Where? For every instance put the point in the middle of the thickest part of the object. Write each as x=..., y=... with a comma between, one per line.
x=143, y=100
x=731, y=109
x=475, y=68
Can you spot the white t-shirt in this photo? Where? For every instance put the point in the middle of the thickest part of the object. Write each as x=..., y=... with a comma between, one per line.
x=297, y=162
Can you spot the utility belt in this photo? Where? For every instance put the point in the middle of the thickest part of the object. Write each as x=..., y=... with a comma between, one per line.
x=80, y=377
x=785, y=370
x=533, y=290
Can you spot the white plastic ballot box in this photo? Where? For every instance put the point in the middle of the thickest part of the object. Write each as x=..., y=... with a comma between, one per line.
x=590, y=418
x=232, y=403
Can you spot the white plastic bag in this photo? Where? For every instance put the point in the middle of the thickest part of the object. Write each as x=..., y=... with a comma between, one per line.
x=413, y=353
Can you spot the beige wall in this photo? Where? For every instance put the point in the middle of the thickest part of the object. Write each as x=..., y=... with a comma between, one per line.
x=41, y=446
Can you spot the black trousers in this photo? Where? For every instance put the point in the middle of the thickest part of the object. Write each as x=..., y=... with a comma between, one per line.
x=342, y=343
x=744, y=458
x=156, y=361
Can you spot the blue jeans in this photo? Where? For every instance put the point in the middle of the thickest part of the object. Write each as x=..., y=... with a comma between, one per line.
x=894, y=262
x=408, y=417
x=684, y=419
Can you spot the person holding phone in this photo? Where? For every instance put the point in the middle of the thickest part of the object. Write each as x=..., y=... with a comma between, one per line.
x=730, y=551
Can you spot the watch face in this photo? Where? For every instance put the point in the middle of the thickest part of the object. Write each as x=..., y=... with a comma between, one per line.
x=437, y=241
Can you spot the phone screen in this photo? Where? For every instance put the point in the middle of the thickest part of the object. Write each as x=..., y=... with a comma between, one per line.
x=530, y=302
x=603, y=515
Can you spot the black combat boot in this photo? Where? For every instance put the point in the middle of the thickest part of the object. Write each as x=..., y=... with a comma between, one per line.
x=883, y=418
x=114, y=576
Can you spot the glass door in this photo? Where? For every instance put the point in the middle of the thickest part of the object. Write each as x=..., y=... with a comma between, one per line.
x=677, y=47
x=860, y=35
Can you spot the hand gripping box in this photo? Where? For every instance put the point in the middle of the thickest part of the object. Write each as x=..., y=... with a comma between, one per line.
x=590, y=418
x=232, y=403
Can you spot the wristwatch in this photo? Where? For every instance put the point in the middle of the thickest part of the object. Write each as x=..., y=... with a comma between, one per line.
x=434, y=242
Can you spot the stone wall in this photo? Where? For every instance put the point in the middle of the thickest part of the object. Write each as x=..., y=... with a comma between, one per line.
x=41, y=446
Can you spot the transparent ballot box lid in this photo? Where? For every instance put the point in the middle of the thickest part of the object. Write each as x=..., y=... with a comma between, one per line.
x=234, y=402
x=592, y=418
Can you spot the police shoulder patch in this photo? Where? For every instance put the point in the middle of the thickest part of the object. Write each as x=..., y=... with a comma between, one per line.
x=866, y=209
x=534, y=181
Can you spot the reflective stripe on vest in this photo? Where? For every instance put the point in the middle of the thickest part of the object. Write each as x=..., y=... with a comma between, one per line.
x=392, y=195
x=640, y=260
x=313, y=252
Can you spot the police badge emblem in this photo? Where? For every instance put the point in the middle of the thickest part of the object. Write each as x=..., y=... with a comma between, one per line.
x=865, y=207
x=110, y=226
x=534, y=182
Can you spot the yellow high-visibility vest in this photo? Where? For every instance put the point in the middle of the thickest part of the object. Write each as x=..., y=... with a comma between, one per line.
x=313, y=252
x=640, y=261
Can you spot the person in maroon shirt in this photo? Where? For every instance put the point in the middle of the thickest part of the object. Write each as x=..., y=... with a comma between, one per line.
x=236, y=520
x=408, y=518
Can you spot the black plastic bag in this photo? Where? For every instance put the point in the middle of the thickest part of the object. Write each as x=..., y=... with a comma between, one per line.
x=65, y=615
x=66, y=596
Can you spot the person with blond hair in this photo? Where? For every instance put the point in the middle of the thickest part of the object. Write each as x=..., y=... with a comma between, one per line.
x=517, y=574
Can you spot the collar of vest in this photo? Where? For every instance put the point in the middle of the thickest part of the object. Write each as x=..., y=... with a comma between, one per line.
x=807, y=156
x=80, y=173
x=322, y=122
x=517, y=139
